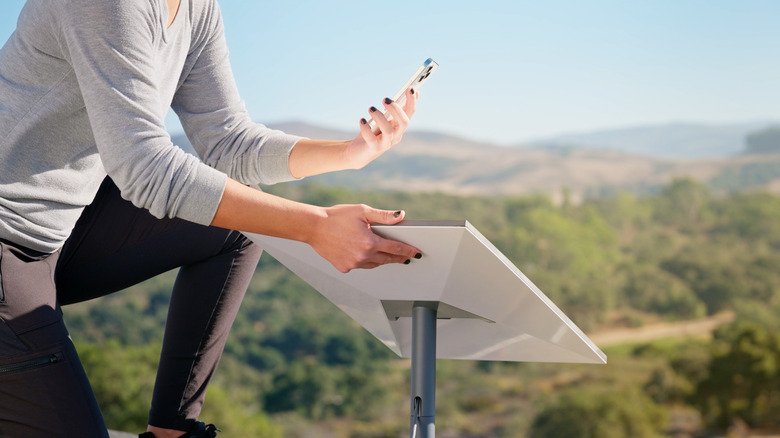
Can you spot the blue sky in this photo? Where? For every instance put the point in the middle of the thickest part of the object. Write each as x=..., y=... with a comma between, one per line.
x=510, y=71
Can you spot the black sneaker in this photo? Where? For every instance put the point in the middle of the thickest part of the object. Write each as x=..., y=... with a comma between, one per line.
x=198, y=430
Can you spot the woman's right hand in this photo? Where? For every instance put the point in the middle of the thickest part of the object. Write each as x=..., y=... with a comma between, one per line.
x=346, y=240
x=340, y=234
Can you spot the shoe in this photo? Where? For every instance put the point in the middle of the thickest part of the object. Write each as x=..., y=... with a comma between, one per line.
x=202, y=430
x=198, y=430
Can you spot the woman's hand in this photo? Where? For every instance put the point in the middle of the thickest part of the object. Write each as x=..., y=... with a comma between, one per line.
x=370, y=144
x=341, y=234
x=315, y=157
x=345, y=238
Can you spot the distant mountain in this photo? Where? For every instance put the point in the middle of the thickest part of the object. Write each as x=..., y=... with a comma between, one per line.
x=675, y=140
x=431, y=162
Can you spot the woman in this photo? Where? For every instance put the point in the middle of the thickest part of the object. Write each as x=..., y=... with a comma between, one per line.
x=84, y=87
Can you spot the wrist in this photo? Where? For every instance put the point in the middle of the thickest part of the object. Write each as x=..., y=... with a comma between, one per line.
x=314, y=157
x=350, y=155
x=314, y=222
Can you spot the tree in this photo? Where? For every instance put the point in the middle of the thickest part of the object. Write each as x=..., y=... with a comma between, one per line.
x=654, y=290
x=744, y=377
x=600, y=413
x=122, y=378
x=766, y=141
x=566, y=255
x=713, y=275
x=306, y=387
x=683, y=203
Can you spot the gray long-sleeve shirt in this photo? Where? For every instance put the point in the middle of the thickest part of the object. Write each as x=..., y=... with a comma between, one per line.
x=84, y=89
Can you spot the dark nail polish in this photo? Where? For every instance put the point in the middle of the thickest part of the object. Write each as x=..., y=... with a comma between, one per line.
x=388, y=100
x=411, y=91
x=363, y=121
x=397, y=213
x=407, y=262
x=372, y=109
x=418, y=256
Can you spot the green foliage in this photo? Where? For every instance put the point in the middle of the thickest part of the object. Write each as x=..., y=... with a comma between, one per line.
x=713, y=279
x=744, y=377
x=122, y=378
x=678, y=368
x=567, y=253
x=318, y=392
x=655, y=290
x=238, y=416
x=684, y=204
x=750, y=216
x=600, y=413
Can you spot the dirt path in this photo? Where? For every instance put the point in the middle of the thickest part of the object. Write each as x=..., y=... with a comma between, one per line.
x=661, y=330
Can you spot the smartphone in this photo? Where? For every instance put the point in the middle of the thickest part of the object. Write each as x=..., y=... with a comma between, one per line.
x=416, y=81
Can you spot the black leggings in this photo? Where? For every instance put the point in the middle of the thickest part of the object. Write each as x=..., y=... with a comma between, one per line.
x=43, y=388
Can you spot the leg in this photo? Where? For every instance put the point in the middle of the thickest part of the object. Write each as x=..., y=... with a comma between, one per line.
x=43, y=388
x=205, y=301
x=116, y=245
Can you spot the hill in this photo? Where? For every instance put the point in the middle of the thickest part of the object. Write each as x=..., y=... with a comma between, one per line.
x=434, y=162
x=670, y=141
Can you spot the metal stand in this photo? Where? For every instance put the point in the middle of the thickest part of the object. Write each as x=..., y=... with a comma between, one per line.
x=463, y=276
x=423, y=395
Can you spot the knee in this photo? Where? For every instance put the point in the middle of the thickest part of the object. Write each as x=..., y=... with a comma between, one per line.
x=244, y=247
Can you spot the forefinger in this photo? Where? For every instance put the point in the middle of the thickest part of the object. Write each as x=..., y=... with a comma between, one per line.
x=398, y=251
x=380, y=119
x=399, y=115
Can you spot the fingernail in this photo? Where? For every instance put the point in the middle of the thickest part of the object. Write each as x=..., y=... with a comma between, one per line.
x=363, y=121
x=388, y=100
x=411, y=91
x=397, y=213
x=372, y=109
x=418, y=256
x=407, y=262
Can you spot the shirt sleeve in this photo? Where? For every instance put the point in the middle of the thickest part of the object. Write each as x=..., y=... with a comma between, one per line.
x=215, y=118
x=110, y=45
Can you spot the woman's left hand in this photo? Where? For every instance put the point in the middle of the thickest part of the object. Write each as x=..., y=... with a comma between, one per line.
x=370, y=144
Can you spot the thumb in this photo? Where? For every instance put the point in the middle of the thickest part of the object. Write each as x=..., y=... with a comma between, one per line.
x=385, y=217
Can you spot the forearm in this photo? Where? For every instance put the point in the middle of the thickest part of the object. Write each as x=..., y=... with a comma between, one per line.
x=246, y=209
x=341, y=234
x=314, y=157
